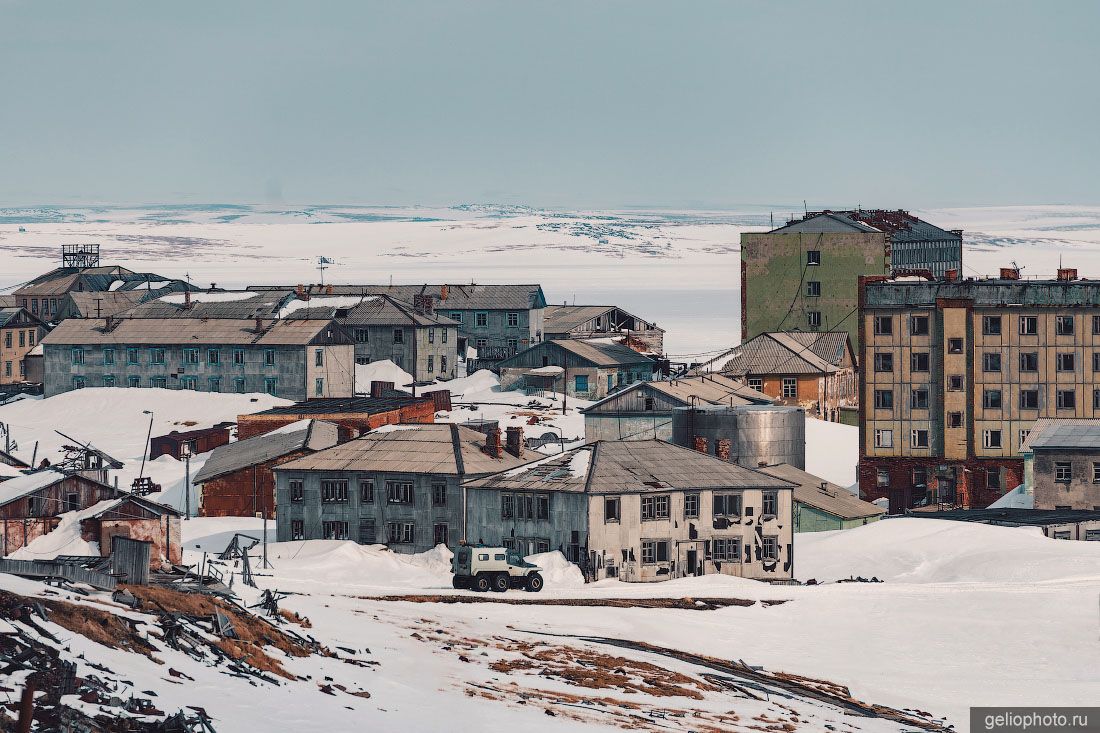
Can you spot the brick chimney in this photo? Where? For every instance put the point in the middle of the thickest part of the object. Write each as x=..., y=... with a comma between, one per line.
x=492, y=443
x=379, y=388
x=424, y=304
x=1010, y=273
x=301, y=293
x=513, y=441
x=722, y=449
x=1067, y=274
x=187, y=300
x=259, y=325
x=444, y=291
x=701, y=444
x=328, y=290
x=951, y=276
x=442, y=400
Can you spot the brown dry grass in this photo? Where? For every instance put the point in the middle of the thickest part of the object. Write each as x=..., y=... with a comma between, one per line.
x=295, y=618
x=98, y=625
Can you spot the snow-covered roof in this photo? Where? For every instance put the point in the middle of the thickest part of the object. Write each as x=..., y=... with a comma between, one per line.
x=20, y=486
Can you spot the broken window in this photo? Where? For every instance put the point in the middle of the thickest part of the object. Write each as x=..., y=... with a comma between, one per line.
x=366, y=491
x=993, y=478
x=884, y=438
x=611, y=506
x=297, y=529
x=882, y=478
x=654, y=551
x=333, y=530
x=991, y=362
x=884, y=362
x=955, y=383
x=918, y=399
x=769, y=549
x=919, y=361
x=884, y=399
x=727, y=505
x=362, y=336
x=1029, y=325
x=1065, y=362
x=991, y=325
x=439, y=495
x=334, y=490
x=1029, y=361
x=507, y=506
x=1067, y=399
x=1063, y=472
x=991, y=399
x=727, y=549
x=399, y=335
x=770, y=503
x=813, y=289
x=400, y=533
x=439, y=534
x=296, y=487
x=954, y=419
x=919, y=439
x=918, y=326
x=991, y=438
x=399, y=492
x=813, y=257
x=954, y=346
x=1063, y=325
x=884, y=325
x=1029, y=399
x=691, y=506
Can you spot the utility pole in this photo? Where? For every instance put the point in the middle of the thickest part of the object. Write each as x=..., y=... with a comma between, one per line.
x=148, y=437
x=185, y=449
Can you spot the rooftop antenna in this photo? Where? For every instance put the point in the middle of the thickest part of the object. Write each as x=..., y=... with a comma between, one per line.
x=771, y=217
x=321, y=263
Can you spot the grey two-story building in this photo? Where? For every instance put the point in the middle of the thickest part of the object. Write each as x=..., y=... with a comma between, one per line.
x=399, y=485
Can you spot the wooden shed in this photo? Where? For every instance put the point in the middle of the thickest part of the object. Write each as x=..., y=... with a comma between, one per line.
x=136, y=518
x=31, y=503
x=198, y=441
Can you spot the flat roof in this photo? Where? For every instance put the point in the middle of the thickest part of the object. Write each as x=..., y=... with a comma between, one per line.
x=348, y=405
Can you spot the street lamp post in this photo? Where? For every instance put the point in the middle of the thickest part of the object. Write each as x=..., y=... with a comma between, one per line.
x=185, y=451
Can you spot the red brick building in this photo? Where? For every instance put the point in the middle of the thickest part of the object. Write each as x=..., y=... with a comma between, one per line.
x=355, y=415
x=198, y=441
x=137, y=519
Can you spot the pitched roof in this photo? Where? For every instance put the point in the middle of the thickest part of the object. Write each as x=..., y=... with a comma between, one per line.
x=466, y=296
x=596, y=353
x=175, y=331
x=153, y=506
x=217, y=304
x=565, y=318
x=794, y=352
x=101, y=305
x=1063, y=434
x=898, y=224
x=349, y=405
x=629, y=466
x=259, y=449
x=371, y=310
x=817, y=492
x=424, y=449
x=713, y=389
x=29, y=483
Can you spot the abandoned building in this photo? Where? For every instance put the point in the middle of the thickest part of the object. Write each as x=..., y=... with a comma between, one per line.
x=643, y=410
x=354, y=415
x=1057, y=524
x=603, y=321
x=821, y=506
x=237, y=479
x=138, y=519
x=496, y=320
x=400, y=485
x=816, y=371
x=955, y=374
x=586, y=369
x=20, y=333
x=31, y=503
x=202, y=440
x=640, y=511
x=292, y=359
x=1062, y=464
x=802, y=276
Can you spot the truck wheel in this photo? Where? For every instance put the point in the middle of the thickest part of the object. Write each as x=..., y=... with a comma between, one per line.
x=459, y=583
x=534, y=582
x=482, y=583
x=501, y=583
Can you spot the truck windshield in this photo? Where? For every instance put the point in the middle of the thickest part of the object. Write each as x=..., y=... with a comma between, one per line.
x=514, y=558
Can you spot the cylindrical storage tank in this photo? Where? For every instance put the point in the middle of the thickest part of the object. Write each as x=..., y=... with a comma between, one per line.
x=756, y=433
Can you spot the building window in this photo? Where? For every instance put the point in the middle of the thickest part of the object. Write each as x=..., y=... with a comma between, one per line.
x=159, y=382
x=611, y=509
x=456, y=316
x=884, y=438
x=431, y=335
x=884, y=362
x=482, y=344
x=239, y=385
x=954, y=383
x=443, y=334
x=439, y=494
x=399, y=335
x=318, y=357
x=361, y=336
x=1096, y=325
x=189, y=383
x=271, y=386
x=1029, y=325
x=366, y=491
x=813, y=257
x=884, y=325
x=1029, y=399
x=813, y=289
x=334, y=530
x=770, y=503
x=727, y=505
x=813, y=318
x=1063, y=325
x=1023, y=435
x=991, y=399
x=133, y=381
x=297, y=529
x=78, y=355
x=1063, y=472
x=756, y=383
x=919, y=439
x=431, y=363
x=481, y=320
x=991, y=325
x=513, y=319
x=883, y=400
x=726, y=549
x=648, y=404
x=215, y=384
x=334, y=491
x=269, y=357
x=296, y=486
x=790, y=387
x=238, y=356
x=919, y=361
x=991, y=362
x=769, y=549
x=954, y=346
x=508, y=506
x=580, y=383
x=108, y=380
x=1096, y=473
x=918, y=326
x=443, y=365
x=108, y=356
x=213, y=356
x=882, y=478
x=691, y=506
x=991, y=438
x=654, y=551
x=319, y=387
x=954, y=419
x=993, y=478
x=439, y=534
x=1064, y=362
x=1067, y=399
x=191, y=356
x=400, y=533
x=918, y=399
x=399, y=492
x=1029, y=361
x=655, y=507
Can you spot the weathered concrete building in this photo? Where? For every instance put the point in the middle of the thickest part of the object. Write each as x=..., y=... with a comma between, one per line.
x=400, y=486
x=586, y=369
x=802, y=276
x=821, y=506
x=640, y=511
x=643, y=411
x=20, y=333
x=815, y=371
x=1062, y=464
x=293, y=359
x=955, y=374
x=138, y=519
x=603, y=321
x=237, y=478
x=30, y=504
x=354, y=415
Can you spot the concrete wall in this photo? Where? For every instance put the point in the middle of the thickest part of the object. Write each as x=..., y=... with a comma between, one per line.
x=336, y=372
x=497, y=334
x=568, y=515
x=1080, y=493
x=439, y=342
x=628, y=427
x=811, y=519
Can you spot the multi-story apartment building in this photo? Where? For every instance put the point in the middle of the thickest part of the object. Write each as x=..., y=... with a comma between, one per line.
x=802, y=276
x=20, y=332
x=955, y=374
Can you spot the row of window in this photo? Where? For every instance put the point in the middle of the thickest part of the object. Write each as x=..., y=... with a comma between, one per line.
x=213, y=384
x=918, y=438
x=158, y=355
x=22, y=368
x=362, y=335
x=1063, y=472
x=991, y=325
x=721, y=549
x=658, y=507
x=789, y=387
x=26, y=338
x=992, y=399
x=49, y=306
x=396, y=533
x=992, y=362
x=919, y=476
x=481, y=318
x=336, y=491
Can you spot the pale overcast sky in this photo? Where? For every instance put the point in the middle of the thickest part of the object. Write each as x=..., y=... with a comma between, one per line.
x=554, y=103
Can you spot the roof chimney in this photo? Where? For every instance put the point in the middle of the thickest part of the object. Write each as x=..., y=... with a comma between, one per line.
x=442, y=400
x=187, y=300
x=300, y=292
x=492, y=443
x=379, y=388
x=1010, y=273
x=444, y=291
x=328, y=290
x=951, y=276
x=1066, y=274
x=259, y=324
x=424, y=304
x=701, y=444
x=513, y=441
